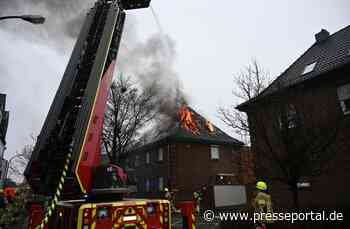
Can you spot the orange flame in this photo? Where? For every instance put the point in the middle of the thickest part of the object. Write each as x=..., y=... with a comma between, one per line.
x=209, y=126
x=187, y=121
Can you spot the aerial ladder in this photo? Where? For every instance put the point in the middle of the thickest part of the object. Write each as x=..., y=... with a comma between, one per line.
x=65, y=165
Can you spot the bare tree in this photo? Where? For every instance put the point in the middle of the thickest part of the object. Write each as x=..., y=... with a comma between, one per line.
x=19, y=161
x=294, y=136
x=249, y=83
x=129, y=111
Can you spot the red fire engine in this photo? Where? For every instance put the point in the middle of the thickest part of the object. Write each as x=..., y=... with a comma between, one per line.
x=65, y=164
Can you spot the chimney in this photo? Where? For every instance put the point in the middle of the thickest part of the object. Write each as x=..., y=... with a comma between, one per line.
x=321, y=36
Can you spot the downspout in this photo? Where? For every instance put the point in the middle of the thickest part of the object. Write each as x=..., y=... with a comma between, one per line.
x=169, y=168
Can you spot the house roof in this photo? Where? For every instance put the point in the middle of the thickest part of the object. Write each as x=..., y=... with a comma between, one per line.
x=217, y=136
x=329, y=54
x=178, y=133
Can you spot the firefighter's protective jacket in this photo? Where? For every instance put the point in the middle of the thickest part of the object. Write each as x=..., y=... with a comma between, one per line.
x=168, y=195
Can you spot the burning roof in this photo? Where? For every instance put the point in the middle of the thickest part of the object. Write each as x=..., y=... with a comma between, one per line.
x=198, y=129
x=189, y=126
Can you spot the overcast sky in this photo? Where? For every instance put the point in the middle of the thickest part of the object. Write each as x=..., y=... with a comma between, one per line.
x=213, y=40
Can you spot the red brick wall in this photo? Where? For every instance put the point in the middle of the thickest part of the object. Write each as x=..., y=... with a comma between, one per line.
x=195, y=168
x=332, y=187
x=186, y=167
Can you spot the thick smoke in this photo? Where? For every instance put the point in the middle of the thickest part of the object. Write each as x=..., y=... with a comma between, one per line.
x=150, y=61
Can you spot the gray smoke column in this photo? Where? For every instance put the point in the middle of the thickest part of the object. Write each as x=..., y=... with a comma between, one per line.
x=36, y=55
x=152, y=62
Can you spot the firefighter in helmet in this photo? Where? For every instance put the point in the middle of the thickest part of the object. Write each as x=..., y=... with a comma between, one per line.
x=170, y=196
x=167, y=194
x=197, y=197
x=262, y=202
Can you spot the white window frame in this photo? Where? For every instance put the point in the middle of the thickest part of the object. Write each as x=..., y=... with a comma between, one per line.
x=291, y=117
x=304, y=184
x=214, y=152
x=309, y=68
x=148, y=158
x=160, y=154
x=344, y=95
x=161, y=183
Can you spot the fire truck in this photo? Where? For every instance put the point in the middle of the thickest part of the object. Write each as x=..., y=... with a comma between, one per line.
x=65, y=166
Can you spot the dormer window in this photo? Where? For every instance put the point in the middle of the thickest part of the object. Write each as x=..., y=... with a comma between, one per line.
x=309, y=68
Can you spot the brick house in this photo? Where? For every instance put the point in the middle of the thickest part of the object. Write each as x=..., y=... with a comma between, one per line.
x=315, y=93
x=184, y=161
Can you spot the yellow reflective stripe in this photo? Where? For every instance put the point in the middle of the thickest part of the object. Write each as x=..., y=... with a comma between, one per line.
x=54, y=201
x=93, y=225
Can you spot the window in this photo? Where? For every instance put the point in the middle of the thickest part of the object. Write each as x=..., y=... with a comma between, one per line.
x=214, y=152
x=103, y=213
x=304, y=184
x=290, y=118
x=148, y=185
x=148, y=158
x=161, y=183
x=344, y=98
x=160, y=154
x=137, y=160
x=309, y=68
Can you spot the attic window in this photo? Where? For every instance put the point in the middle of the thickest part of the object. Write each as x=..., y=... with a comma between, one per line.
x=309, y=68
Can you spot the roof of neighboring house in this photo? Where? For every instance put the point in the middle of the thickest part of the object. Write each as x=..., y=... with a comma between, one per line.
x=178, y=133
x=330, y=54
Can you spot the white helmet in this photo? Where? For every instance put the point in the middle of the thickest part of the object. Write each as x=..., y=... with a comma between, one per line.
x=166, y=190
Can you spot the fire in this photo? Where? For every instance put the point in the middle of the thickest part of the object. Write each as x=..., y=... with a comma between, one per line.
x=187, y=120
x=209, y=126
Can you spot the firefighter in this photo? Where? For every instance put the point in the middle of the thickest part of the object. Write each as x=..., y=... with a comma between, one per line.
x=262, y=203
x=170, y=196
x=167, y=194
x=10, y=194
x=2, y=198
x=197, y=197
